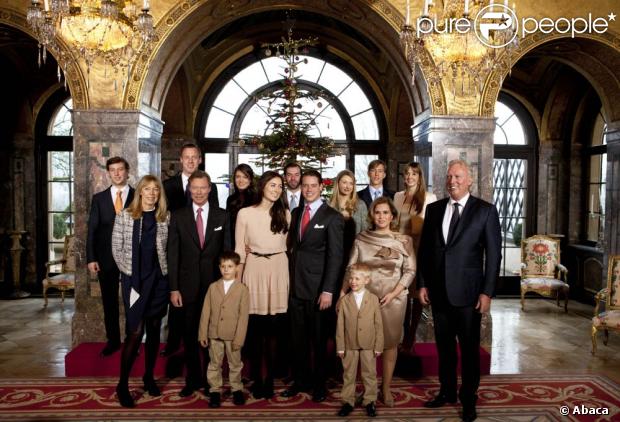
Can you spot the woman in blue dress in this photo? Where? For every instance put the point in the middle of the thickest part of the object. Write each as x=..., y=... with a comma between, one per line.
x=139, y=243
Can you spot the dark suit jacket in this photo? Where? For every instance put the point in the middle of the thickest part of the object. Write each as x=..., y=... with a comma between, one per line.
x=176, y=195
x=191, y=269
x=316, y=258
x=100, y=225
x=364, y=194
x=467, y=266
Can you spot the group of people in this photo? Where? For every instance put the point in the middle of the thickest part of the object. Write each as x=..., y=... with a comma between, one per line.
x=292, y=271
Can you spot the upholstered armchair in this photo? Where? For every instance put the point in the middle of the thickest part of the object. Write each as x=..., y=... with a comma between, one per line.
x=541, y=271
x=608, y=318
x=66, y=279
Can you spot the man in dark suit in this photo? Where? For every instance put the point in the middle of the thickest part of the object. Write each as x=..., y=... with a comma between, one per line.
x=178, y=196
x=176, y=187
x=315, y=244
x=103, y=209
x=375, y=188
x=458, y=265
x=196, y=238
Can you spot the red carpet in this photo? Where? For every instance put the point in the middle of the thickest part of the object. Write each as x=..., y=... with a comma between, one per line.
x=85, y=361
x=502, y=397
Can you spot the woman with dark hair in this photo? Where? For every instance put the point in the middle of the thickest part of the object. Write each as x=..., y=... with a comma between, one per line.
x=262, y=229
x=390, y=256
x=411, y=203
x=139, y=241
x=244, y=195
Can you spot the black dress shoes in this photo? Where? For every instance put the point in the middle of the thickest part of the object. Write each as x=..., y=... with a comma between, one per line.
x=319, y=395
x=371, y=409
x=257, y=390
x=124, y=396
x=469, y=413
x=345, y=410
x=150, y=386
x=214, y=400
x=238, y=398
x=110, y=348
x=292, y=391
x=440, y=400
x=268, y=389
x=187, y=391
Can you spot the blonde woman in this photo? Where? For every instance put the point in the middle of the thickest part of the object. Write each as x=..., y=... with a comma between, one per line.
x=345, y=200
x=139, y=241
x=411, y=203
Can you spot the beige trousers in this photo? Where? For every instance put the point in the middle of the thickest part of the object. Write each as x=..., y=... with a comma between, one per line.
x=369, y=375
x=217, y=348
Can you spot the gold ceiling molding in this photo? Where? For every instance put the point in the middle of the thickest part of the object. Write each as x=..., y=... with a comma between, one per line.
x=493, y=85
x=73, y=74
x=216, y=13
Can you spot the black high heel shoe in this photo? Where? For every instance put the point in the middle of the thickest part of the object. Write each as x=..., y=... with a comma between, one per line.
x=124, y=396
x=150, y=386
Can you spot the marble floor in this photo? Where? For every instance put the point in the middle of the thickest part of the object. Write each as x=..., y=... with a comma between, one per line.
x=543, y=339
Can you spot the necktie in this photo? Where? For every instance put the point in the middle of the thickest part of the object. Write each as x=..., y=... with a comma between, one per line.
x=118, y=202
x=200, y=228
x=377, y=194
x=292, y=203
x=188, y=195
x=305, y=220
x=454, y=221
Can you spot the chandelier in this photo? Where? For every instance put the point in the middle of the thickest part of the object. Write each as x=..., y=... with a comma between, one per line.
x=464, y=38
x=112, y=31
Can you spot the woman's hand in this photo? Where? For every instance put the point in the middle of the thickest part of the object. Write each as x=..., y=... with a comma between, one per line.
x=385, y=300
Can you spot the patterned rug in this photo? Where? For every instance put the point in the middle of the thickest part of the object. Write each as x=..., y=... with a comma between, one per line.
x=501, y=398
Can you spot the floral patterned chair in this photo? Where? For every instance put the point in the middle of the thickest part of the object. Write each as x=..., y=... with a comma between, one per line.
x=66, y=279
x=609, y=318
x=541, y=271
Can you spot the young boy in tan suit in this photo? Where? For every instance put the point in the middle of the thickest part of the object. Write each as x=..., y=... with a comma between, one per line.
x=359, y=337
x=223, y=325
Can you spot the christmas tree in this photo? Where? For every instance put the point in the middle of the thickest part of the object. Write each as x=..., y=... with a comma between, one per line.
x=293, y=113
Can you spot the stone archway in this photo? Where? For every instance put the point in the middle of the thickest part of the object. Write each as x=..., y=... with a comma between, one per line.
x=584, y=59
x=186, y=25
x=75, y=78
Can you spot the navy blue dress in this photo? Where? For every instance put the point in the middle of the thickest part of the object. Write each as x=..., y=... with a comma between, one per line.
x=146, y=278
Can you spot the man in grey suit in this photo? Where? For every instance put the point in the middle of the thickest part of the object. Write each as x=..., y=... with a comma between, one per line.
x=458, y=265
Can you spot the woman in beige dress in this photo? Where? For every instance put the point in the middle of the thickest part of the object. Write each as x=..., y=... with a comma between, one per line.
x=390, y=255
x=262, y=229
x=411, y=205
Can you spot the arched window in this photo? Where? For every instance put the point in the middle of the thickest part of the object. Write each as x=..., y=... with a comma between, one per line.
x=57, y=169
x=597, y=178
x=513, y=179
x=345, y=110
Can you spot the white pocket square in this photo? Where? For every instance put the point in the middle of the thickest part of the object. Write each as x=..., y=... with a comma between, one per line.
x=217, y=229
x=316, y=226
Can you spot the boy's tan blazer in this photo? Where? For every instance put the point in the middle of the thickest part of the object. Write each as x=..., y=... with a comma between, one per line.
x=225, y=316
x=359, y=329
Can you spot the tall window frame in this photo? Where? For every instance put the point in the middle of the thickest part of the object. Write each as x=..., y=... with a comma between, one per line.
x=596, y=180
x=55, y=178
x=514, y=181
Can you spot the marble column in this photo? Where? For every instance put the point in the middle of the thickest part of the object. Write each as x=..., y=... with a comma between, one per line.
x=99, y=135
x=611, y=242
x=552, y=210
x=469, y=138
